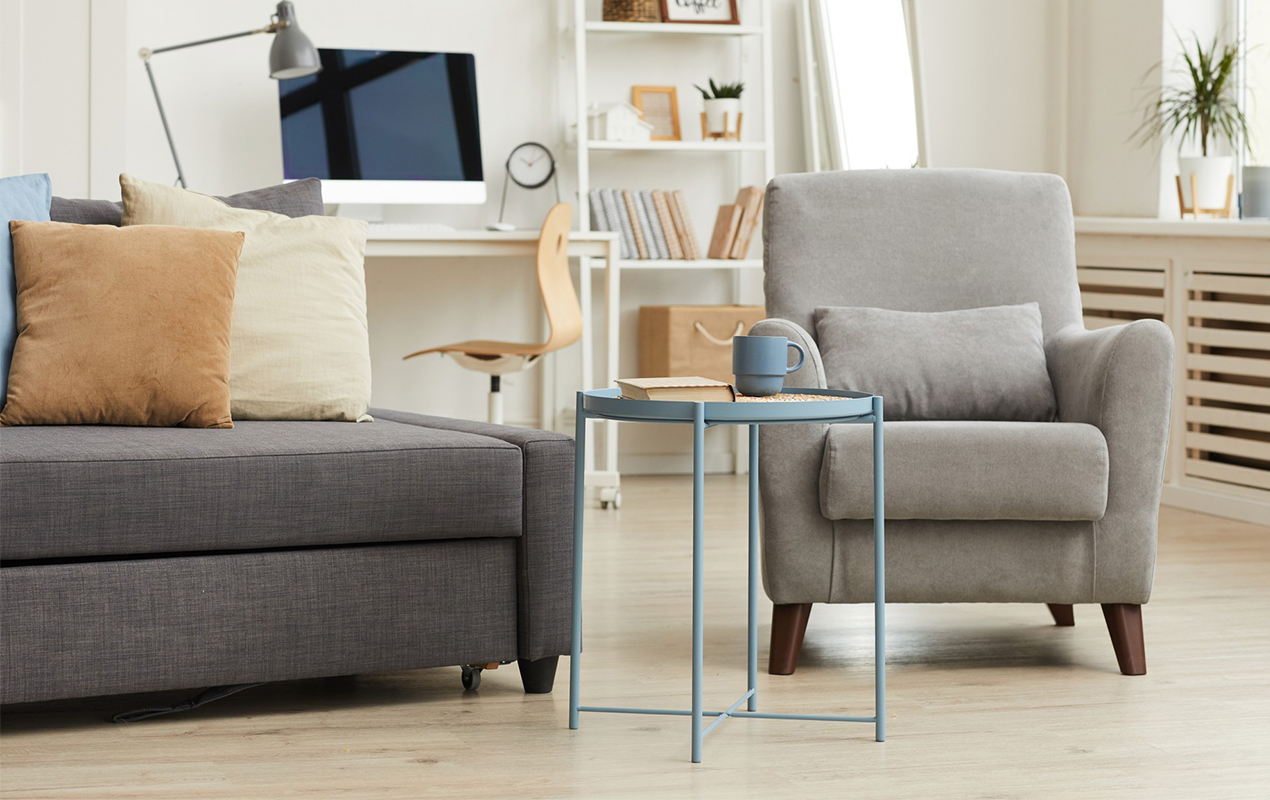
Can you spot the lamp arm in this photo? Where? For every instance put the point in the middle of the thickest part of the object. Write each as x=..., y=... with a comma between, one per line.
x=146, y=52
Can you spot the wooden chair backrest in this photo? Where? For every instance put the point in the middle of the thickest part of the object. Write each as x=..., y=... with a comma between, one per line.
x=564, y=314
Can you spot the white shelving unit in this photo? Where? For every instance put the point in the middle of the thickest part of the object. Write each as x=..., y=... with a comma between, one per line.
x=738, y=155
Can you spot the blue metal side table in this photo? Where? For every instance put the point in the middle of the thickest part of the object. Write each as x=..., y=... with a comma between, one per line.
x=837, y=407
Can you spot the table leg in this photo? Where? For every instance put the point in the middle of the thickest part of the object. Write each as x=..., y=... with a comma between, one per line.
x=579, y=493
x=698, y=571
x=879, y=576
x=752, y=684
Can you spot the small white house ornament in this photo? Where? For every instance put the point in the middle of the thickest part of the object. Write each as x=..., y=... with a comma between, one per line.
x=618, y=122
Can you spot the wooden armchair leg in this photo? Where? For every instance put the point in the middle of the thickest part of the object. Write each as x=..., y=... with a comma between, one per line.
x=1124, y=623
x=789, y=623
x=1062, y=613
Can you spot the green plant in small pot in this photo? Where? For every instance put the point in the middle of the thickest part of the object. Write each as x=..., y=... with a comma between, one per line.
x=1203, y=110
x=722, y=110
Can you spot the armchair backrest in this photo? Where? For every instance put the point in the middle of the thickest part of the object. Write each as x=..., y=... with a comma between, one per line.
x=919, y=240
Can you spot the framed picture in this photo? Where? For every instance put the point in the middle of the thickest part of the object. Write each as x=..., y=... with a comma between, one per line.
x=718, y=12
x=660, y=107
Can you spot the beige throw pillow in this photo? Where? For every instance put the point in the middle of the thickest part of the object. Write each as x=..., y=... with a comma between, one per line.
x=299, y=344
x=121, y=326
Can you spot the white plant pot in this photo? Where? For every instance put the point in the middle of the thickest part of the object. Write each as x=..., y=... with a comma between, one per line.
x=1212, y=174
x=723, y=115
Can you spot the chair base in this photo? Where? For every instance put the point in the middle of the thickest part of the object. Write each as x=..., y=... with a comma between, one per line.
x=789, y=625
x=1124, y=623
x=1062, y=614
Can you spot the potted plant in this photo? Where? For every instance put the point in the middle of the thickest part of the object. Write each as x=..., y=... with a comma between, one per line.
x=1203, y=109
x=722, y=109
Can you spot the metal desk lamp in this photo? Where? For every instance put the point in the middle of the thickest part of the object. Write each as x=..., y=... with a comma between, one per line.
x=292, y=56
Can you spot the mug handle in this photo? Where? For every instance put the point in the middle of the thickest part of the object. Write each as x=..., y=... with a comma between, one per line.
x=802, y=356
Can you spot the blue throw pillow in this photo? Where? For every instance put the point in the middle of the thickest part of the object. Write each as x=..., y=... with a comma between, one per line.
x=23, y=197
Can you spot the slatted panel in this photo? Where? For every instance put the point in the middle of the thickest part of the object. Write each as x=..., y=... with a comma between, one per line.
x=1227, y=410
x=1115, y=295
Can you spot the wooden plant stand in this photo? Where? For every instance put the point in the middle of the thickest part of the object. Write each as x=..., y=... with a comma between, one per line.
x=1227, y=210
x=725, y=134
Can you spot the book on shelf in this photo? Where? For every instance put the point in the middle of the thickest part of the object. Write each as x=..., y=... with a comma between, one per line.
x=667, y=225
x=615, y=212
x=691, y=389
x=688, y=235
x=725, y=230
x=750, y=199
x=641, y=248
x=598, y=221
x=654, y=225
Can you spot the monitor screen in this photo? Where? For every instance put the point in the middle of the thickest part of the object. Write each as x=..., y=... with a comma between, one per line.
x=376, y=115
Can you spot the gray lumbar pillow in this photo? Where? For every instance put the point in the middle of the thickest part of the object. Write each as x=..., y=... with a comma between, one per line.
x=300, y=198
x=977, y=363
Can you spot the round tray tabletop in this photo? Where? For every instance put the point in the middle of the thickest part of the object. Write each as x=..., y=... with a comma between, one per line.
x=828, y=405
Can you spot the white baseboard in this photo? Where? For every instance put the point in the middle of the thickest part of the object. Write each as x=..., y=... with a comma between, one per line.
x=1216, y=503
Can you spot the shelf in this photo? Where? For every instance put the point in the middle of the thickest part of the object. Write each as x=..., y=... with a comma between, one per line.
x=680, y=263
x=684, y=28
x=690, y=146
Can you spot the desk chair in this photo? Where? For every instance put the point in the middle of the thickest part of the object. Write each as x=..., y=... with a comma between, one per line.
x=564, y=316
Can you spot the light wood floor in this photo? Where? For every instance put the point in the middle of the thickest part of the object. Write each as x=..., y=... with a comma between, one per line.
x=985, y=701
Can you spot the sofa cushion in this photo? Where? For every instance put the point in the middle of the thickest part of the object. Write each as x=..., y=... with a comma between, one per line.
x=100, y=491
x=968, y=470
x=300, y=198
x=971, y=364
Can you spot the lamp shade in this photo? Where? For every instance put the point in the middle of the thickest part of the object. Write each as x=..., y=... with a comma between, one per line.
x=292, y=54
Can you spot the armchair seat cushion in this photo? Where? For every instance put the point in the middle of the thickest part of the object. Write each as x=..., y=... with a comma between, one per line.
x=93, y=491
x=968, y=470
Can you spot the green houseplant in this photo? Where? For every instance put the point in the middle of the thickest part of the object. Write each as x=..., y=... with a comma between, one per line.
x=723, y=109
x=1201, y=109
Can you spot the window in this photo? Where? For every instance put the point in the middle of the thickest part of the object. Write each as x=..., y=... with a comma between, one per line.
x=1254, y=77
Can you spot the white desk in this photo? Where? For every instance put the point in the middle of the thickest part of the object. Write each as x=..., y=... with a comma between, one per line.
x=595, y=250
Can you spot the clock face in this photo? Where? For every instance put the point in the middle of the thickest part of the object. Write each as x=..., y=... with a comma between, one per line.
x=531, y=165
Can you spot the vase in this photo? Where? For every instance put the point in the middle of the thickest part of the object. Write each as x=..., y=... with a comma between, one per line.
x=1212, y=175
x=723, y=115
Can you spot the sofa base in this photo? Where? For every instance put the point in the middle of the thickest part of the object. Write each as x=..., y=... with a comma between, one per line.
x=152, y=624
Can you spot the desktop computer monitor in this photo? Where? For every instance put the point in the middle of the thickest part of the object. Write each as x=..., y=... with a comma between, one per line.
x=385, y=127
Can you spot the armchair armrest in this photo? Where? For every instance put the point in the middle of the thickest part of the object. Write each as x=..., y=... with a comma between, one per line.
x=1120, y=379
x=797, y=538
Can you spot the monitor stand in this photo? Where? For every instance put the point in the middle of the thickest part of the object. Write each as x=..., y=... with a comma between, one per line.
x=371, y=212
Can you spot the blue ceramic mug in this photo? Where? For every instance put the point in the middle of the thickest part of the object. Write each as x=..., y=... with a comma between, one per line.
x=758, y=363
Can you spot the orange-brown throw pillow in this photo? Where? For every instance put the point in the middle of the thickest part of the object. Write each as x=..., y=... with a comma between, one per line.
x=121, y=326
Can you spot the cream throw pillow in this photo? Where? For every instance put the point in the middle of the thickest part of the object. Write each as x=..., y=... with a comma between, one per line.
x=299, y=347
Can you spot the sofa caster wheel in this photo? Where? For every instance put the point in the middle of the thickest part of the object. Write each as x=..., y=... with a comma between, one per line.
x=611, y=497
x=471, y=677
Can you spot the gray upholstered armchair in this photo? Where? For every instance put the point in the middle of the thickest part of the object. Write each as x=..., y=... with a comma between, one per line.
x=1058, y=512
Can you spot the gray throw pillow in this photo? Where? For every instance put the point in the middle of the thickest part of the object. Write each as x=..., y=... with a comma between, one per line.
x=973, y=364
x=300, y=198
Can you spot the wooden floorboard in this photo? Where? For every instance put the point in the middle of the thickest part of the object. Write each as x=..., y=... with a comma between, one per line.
x=988, y=701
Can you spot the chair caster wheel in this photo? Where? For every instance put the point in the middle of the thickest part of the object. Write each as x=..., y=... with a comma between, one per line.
x=611, y=497
x=471, y=677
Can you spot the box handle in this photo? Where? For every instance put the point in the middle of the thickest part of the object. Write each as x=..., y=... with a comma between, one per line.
x=701, y=329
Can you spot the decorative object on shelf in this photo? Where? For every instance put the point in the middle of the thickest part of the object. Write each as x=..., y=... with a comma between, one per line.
x=617, y=122
x=1203, y=108
x=718, y=12
x=660, y=107
x=292, y=55
x=1254, y=202
x=530, y=165
x=692, y=340
x=721, y=119
x=632, y=11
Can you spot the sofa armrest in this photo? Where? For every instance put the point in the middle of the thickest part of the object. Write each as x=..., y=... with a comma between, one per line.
x=1120, y=379
x=797, y=538
x=545, y=549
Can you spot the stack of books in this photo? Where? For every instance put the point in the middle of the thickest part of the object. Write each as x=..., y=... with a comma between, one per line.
x=652, y=224
x=734, y=227
x=690, y=389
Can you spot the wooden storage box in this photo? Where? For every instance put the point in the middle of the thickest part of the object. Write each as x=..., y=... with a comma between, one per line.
x=678, y=341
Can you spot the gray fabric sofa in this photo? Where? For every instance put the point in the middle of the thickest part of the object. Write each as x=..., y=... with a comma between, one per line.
x=1057, y=512
x=141, y=559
